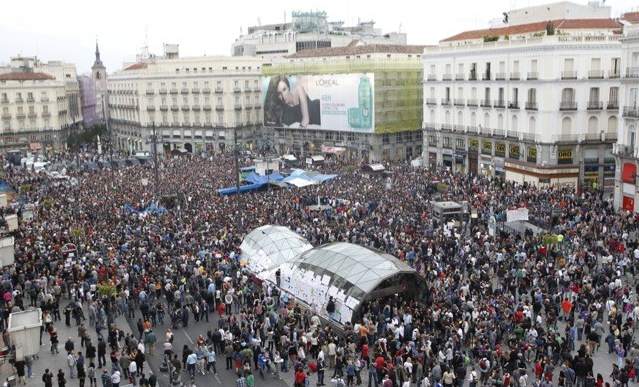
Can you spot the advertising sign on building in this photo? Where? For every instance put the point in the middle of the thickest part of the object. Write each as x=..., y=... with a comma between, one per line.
x=517, y=214
x=342, y=102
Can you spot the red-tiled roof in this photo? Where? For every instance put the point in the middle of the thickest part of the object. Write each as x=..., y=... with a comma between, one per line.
x=352, y=49
x=632, y=17
x=136, y=66
x=536, y=27
x=25, y=76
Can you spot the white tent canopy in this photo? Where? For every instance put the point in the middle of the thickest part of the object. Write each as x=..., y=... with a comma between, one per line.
x=289, y=158
x=269, y=246
x=317, y=158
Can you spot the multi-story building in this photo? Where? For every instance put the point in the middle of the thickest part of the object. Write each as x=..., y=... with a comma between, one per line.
x=627, y=151
x=195, y=104
x=39, y=103
x=308, y=30
x=536, y=100
x=367, y=97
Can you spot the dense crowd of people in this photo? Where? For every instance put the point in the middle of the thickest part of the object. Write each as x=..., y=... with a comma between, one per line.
x=500, y=309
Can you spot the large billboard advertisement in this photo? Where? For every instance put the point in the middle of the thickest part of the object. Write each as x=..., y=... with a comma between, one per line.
x=341, y=102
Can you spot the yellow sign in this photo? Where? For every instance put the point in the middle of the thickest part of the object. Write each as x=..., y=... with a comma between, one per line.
x=473, y=144
x=565, y=154
x=514, y=151
x=486, y=147
x=500, y=149
x=532, y=154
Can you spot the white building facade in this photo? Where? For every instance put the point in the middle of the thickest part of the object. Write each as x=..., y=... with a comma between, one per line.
x=194, y=104
x=627, y=151
x=39, y=103
x=533, y=102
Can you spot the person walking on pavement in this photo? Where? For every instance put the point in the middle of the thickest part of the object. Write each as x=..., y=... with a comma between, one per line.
x=71, y=362
x=47, y=378
x=62, y=381
x=101, y=353
x=106, y=378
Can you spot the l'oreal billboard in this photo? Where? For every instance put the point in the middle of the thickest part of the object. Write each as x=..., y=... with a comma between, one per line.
x=331, y=102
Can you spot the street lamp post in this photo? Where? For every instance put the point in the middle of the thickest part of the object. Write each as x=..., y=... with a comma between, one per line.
x=155, y=161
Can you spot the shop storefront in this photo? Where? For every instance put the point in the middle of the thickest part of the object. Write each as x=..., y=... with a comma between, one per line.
x=460, y=160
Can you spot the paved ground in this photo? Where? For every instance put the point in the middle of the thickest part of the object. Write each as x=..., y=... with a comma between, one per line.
x=602, y=360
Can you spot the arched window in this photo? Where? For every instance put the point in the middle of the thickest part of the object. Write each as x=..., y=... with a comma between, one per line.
x=593, y=125
x=532, y=123
x=486, y=120
x=514, y=124
x=460, y=118
x=566, y=126
x=612, y=124
x=447, y=121
x=500, y=122
x=433, y=119
x=473, y=119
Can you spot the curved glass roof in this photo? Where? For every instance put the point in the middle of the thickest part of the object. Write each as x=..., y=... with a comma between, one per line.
x=269, y=246
x=362, y=267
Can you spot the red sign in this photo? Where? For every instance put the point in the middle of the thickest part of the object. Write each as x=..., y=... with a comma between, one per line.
x=628, y=203
x=629, y=173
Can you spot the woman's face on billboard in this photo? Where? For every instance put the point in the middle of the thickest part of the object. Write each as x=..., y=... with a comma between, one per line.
x=284, y=93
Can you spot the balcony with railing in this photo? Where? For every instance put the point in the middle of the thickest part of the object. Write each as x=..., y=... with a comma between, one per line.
x=30, y=100
x=485, y=103
x=185, y=90
x=150, y=92
x=568, y=75
x=500, y=76
x=44, y=99
x=173, y=90
x=472, y=102
x=19, y=100
x=486, y=77
x=431, y=101
x=163, y=91
x=568, y=105
x=472, y=129
x=257, y=106
x=595, y=105
x=185, y=108
x=531, y=105
x=446, y=127
x=458, y=128
x=595, y=74
x=514, y=76
x=219, y=90
x=195, y=90
x=206, y=108
x=206, y=90
x=459, y=76
x=46, y=114
x=6, y=116
x=631, y=111
x=237, y=89
x=612, y=105
x=532, y=76
x=445, y=102
x=175, y=108
x=20, y=116
x=459, y=102
x=4, y=100
x=447, y=77
x=486, y=131
x=499, y=104
x=513, y=105
x=196, y=108
x=237, y=106
x=529, y=137
x=431, y=77
x=164, y=107
x=499, y=133
x=150, y=108
x=219, y=107
x=632, y=72
x=614, y=74
x=512, y=134
x=472, y=76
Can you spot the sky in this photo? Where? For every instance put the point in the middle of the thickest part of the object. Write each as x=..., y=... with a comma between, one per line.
x=67, y=29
